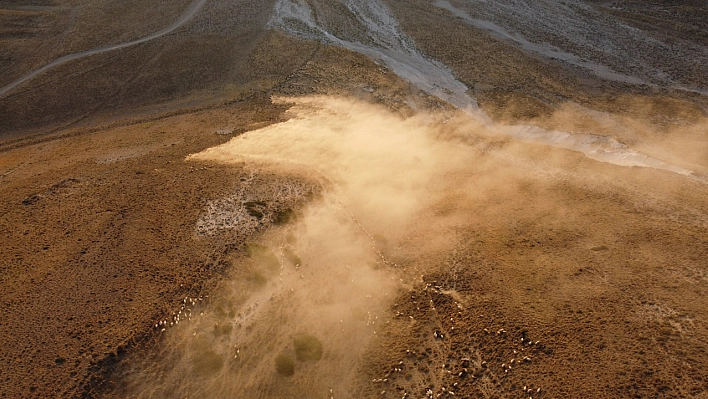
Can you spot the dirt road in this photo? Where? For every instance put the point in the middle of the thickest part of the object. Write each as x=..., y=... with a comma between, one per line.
x=186, y=17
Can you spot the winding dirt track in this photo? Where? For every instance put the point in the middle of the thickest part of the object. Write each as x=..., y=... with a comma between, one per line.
x=186, y=17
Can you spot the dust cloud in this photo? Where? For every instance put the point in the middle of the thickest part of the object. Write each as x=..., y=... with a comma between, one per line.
x=290, y=322
x=300, y=307
x=385, y=168
x=658, y=133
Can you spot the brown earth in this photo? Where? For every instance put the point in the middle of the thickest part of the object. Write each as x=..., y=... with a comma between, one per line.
x=598, y=276
x=197, y=64
x=560, y=298
x=97, y=244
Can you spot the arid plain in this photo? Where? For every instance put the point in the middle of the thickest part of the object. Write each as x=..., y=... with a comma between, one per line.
x=343, y=199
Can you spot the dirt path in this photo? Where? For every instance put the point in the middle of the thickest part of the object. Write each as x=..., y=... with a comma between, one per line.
x=188, y=15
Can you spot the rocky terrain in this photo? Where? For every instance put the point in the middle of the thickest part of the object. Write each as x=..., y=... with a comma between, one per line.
x=346, y=199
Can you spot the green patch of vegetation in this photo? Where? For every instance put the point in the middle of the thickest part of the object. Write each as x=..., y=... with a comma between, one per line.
x=314, y=196
x=307, y=348
x=285, y=365
x=258, y=279
x=224, y=308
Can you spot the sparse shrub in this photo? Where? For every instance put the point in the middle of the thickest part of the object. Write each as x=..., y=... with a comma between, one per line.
x=285, y=365
x=219, y=311
x=284, y=216
x=259, y=280
x=307, y=347
x=223, y=329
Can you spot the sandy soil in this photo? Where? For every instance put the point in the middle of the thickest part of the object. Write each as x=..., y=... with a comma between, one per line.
x=480, y=266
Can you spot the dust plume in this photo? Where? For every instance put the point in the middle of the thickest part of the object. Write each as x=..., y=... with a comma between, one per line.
x=386, y=168
x=655, y=132
x=300, y=307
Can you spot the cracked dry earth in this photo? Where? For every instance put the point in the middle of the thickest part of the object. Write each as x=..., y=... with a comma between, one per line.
x=344, y=199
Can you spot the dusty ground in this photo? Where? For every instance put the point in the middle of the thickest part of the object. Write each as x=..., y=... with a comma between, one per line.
x=187, y=65
x=597, y=308
x=595, y=272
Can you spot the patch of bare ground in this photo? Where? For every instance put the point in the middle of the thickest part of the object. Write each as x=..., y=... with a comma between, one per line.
x=669, y=20
x=99, y=23
x=22, y=33
x=515, y=85
x=196, y=62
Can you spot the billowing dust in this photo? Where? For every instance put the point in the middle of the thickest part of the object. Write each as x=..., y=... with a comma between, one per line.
x=384, y=168
x=290, y=323
x=299, y=308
